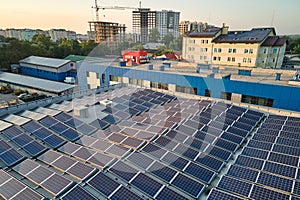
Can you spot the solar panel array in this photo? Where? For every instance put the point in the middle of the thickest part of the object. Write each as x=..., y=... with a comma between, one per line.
x=267, y=167
x=150, y=145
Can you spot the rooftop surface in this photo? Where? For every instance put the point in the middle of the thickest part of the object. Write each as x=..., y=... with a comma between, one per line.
x=36, y=83
x=136, y=143
x=42, y=61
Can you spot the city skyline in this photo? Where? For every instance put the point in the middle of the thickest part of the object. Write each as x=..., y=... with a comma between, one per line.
x=238, y=15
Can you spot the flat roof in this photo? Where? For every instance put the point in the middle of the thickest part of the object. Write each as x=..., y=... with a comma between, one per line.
x=42, y=61
x=36, y=83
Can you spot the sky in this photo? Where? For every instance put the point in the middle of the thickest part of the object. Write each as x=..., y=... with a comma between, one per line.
x=284, y=15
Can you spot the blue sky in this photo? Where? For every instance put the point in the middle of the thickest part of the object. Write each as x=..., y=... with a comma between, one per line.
x=74, y=14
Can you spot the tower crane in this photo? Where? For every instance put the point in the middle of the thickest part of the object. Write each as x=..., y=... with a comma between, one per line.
x=97, y=8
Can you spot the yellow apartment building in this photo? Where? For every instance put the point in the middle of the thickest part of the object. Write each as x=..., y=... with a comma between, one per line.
x=259, y=47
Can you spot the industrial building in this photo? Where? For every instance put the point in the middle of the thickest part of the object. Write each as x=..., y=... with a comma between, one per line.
x=48, y=68
x=144, y=20
x=259, y=47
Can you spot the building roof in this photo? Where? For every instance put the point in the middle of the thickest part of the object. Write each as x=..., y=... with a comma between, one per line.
x=47, y=62
x=204, y=34
x=255, y=35
x=75, y=58
x=36, y=83
x=274, y=41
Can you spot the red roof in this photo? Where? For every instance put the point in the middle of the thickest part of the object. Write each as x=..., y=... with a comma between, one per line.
x=135, y=53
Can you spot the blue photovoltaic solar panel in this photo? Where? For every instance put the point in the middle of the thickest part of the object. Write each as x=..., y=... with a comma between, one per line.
x=210, y=162
x=123, y=170
x=264, y=193
x=235, y=186
x=237, y=131
x=232, y=138
x=12, y=132
x=288, y=142
x=266, y=131
x=48, y=121
x=10, y=156
x=226, y=145
x=186, y=151
x=78, y=193
x=218, y=153
x=242, y=126
x=34, y=148
x=221, y=195
x=167, y=193
x=63, y=117
x=124, y=194
x=260, y=145
x=243, y=173
x=286, y=150
x=175, y=161
x=111, y=119
x=70, y=134
x=249, y=162
x=284, y=159
x=188, y=185
x=98, y=123
x=264, y=138
x=275, y=182
x=200, y=135
x=140, y=160
x=199, y=172
x=280, y=169
x=162, y=171
x=31, y=126
x=103, y=184
x=296, y=189
x=256, y=153
x=196, y=144
x=146, y=184
x=42, y=133
x=59, y=127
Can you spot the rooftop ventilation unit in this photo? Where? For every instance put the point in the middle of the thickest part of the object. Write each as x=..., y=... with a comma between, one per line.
x=106, y=102
x=81, y=111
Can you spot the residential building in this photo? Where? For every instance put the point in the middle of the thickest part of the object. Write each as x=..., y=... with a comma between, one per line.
x=57, y=34
x=187, y=26
x=259, y=47
x=2, y=33
x=13, y=33
x=167, y=22
x=28, y=34
x=143, y=20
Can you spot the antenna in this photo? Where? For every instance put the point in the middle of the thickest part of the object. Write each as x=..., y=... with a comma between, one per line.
x=140, y=4
x=273, y=16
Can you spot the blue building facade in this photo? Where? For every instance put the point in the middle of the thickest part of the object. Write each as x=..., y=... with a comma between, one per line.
x=280, y=96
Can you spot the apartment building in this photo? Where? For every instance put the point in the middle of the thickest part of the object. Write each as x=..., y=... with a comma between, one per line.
x=187, y=26
x=258, y=47
x=144, y=20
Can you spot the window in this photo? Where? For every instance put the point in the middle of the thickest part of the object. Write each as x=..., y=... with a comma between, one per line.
x=274, y=50
x=207, y=93
x=233, y=59
x=249, y=60
x=214, y=58
x=228, y=59
x=205, y=57
x=219, y=50
x=202, y=41
x=219, y=58
x=188, y=90
x=87, y=74
x=226, y=95
x=244, y=60
x=229, y=50
x=246, y=51
x=103, y=78
x=233, y=50
x=265, y=51
x=206, y=49
x=215, y=50
x=274, y=60
x=98, y=76
x=251, y=51
x=258, y=100
x=158, y=85
x=201, y=57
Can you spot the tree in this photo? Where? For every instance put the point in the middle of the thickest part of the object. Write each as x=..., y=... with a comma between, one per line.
x=296, y=49
x=167, y=39
x=137, y=47
x=154, y=35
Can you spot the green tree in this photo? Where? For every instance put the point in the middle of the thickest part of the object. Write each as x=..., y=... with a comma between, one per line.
x=137, y=47
x=296, y=49
x=167, y=39
x=154, y=35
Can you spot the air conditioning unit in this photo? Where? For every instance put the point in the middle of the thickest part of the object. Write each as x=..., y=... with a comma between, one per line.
x=106, y=102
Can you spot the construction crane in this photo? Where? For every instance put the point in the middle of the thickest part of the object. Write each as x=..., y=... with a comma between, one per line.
x=97, y=8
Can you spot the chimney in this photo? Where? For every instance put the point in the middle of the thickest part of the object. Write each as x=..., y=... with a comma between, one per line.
x=224, y=29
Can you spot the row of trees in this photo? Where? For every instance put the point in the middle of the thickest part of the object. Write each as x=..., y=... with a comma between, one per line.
x=293, y=45
x=13, y=50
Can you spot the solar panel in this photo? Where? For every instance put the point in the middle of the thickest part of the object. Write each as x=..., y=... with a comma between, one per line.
x=28, y=194
x=22, y=140
x=78, y=193
x=186, y=151
x=218, y=153
x=154, y=150
x=86, y=129
x=243, y=173
x=196, y=144
x=103, y=184
x=70, y=134
x=74, y=123
x=265, y=193
x=167, y=193
x=132, y=142
x=232, y=138
x=249, y=162
x=288, y=142
x=200, y=135
x=221, y=195
x=237, y=131
x=100, y=160
x=235, y=186
x=140, y=160
x=146, y=184
x=39, y=174
x=279, y=169
x=56, y=184
x=260, y=145
x=284, y=159
x=265, y=138
x=242, y=126
x=210, y=162
x=123, y=170
x=12, y=132
x=117, y=150
x=199, y=172
x=9, y=155
x=296, y=189
x=80, y=171
x=48, y=121
x=124, y=194
x=230, y=146
x=34, y=148
x=275, y=182
x=162, y=171
x=266, y=131
x=286, y=150
x=63, y=117
x=256, y=153
x=166, y=142
x=212, y=130
x=174, y=160
x=98, y=123
x=188, y=185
